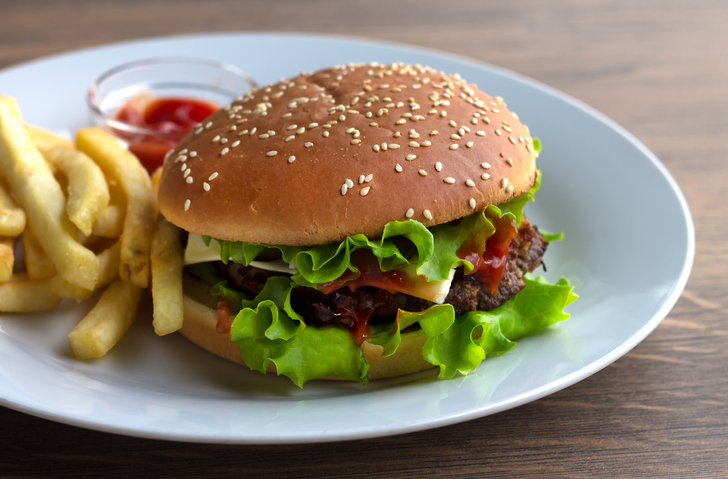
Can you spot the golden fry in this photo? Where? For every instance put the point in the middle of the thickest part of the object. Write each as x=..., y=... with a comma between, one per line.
x=7, y=258
x=88, y=192
x=121, y=165
x=110, y=223
x=107, y=322
x=39, y=194
x=23, y=295
x=12, y=218
x=37, y=263
x=108, y=271
x=44, y=140
x=167, y=278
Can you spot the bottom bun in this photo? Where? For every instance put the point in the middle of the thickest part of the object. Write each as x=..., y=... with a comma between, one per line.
x=200, y=327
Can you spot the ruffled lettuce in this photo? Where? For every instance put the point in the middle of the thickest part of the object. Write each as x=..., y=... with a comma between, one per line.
x=432, y=251
x=268, y=330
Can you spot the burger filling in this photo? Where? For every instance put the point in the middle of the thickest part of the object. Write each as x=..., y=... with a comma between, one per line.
x=466, y=284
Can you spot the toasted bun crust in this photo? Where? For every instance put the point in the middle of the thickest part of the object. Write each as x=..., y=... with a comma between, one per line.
x=319, y=157
x=200, y=327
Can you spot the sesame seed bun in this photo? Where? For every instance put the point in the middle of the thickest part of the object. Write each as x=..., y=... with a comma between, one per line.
x=200, y=328
x=319, y=157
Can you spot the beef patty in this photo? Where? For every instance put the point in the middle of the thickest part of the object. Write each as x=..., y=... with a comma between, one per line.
x=376, y=305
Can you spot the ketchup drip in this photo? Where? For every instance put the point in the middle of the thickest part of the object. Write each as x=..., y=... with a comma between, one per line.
x=489, y=266
x=224, y=320
x=354, y=310
x=369, y=275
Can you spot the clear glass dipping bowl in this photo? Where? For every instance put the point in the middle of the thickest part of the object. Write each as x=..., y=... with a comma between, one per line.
x=160, y=78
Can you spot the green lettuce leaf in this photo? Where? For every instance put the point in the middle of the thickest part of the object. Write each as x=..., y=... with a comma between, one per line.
x=267, y=330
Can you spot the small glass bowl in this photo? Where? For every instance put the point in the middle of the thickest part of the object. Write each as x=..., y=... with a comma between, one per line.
x=141, y=81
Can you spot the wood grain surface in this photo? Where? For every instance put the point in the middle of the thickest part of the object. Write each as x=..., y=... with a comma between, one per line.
x=657, y=67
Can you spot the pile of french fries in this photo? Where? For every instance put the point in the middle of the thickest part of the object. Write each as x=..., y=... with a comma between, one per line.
x=85, y=215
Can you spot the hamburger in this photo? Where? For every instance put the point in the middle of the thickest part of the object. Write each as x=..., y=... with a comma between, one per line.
x=360, y=222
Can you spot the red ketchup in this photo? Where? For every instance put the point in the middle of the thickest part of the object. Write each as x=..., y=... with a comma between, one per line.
x=224, y=320
x=488, y=267
x=172, y=117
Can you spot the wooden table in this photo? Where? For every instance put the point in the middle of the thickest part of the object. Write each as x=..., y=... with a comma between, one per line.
x=658, y=68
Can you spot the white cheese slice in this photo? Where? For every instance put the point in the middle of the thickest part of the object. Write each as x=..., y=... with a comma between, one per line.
x=197, y=252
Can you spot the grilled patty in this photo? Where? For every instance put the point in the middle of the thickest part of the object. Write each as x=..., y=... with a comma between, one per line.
x=377, y=305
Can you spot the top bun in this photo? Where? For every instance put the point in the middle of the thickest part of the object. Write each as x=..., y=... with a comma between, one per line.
x=345, y=150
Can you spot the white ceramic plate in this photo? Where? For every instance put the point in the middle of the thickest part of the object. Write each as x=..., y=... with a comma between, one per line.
x=629, y=248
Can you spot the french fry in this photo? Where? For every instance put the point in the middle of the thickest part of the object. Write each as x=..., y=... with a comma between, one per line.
x=39, y=194
x=88, y=192
x=110, y=223
x=12, y=218
x=7, y=258
x=24, y=295
x=107, y=322
x=167, y=278
x=121, y=165
x=108, y=271
x=44, y=140
x=37, y=263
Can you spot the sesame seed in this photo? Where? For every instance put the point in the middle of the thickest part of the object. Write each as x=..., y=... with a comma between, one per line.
x=325, y=134
x=422, y=173
x=252, y=132
x=509, y=161
x=469, y=144
x=398, y=168
x=401, y=121
x=189, y=179
x=393, y=146
x=313, y=125
x=216, y=139
x=271, y=153
x=426, y=143
x=350, y=130
x=470, y=183
x=384, y=146
x=262, y=136
x=427, y=214
x=244, y=132
x=206, y=186
x=208, y=124
x=449, y=180
x=233, y=145
x=410, y=157
x=349, y=183
x=292, y=127
x=212, y=176
x=368, y=178
x=438, y=166
x=506, y=127
x=187, y=205
x=474, y=121
x=291, y=159
x=504, y=182
x=308, y=144
x=193, y=154
x=472, y=203
x=300, y=130
x=361, y=179
x=498, y=132
x=454, y=146
x=376, y=147
x=485, y=176
x=452, y=123
x=287, y=115
x=410, y=212
x=224, y=151
x=434, y=132
x=480, y=133
x=355, y=141
x=486, y=120
x=414, y=144
x=344, y=189
x=529, y=148
x=342, y=117
x=364, y=191
x=374, y=123
x=512, y=140
x=443, y=113
x=396, y=134
x=413, y=134
x=509, y=189
x=495, y=110
x=461, y=131
x=485, y=166
x=455, y=137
